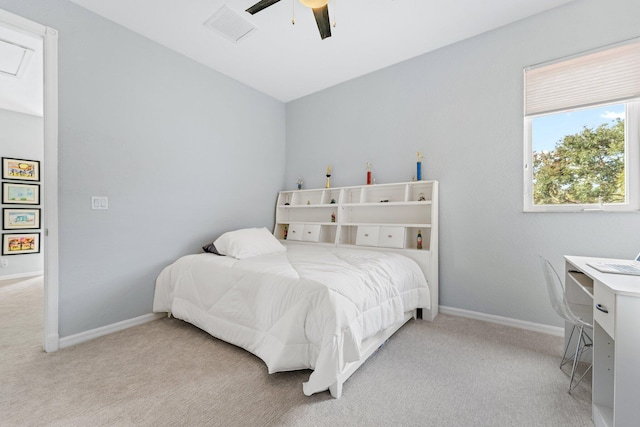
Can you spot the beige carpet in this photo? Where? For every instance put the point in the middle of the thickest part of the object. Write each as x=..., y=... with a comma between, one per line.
x=451, y=372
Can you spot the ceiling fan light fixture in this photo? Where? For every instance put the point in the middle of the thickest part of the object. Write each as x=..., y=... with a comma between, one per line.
x=314, y=4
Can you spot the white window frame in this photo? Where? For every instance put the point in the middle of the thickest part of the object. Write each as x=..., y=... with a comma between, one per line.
x=632, y=170
x=632, y=144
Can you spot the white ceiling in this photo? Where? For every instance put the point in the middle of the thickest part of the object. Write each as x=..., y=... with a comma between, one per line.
x=22, y=92
x=290, y=61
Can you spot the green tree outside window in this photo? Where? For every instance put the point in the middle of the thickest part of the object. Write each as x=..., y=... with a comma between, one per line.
x=585, y=168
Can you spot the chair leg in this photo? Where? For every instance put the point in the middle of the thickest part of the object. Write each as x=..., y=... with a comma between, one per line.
x=575, y=358
x=564, y=355
x=584, y=343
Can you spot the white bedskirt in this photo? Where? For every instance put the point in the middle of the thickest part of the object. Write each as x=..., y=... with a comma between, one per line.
x=307, y=308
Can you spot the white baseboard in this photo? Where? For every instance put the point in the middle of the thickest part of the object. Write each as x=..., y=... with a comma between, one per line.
x=52, y=343
x=530, y=326
x=108, y=329
x=125, y=324
x=21, y=275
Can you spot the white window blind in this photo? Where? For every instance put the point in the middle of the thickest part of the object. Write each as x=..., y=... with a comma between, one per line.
x=608, y=75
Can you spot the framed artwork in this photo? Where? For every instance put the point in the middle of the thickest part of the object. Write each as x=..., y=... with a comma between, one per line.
x=20, y=169
x=19, y=244
x=20, y=194
x=20, y=218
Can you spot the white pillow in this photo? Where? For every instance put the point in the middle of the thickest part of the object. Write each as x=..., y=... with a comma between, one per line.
x=248, y=242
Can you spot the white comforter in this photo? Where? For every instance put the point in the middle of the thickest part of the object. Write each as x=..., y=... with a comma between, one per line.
x=309, y=307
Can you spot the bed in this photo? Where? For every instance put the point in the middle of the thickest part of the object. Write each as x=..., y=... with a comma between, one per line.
x=296, y=306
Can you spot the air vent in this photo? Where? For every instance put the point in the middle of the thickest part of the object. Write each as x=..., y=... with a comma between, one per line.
x=13, y=59
x=231, y=25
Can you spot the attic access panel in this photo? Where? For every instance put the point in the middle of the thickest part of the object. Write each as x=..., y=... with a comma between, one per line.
x=231, y=25
x=13, y=58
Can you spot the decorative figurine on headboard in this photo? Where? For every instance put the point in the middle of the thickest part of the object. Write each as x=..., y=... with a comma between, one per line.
x=419, y=166
x=368, y=165
x=328, y=177
x=299, y=182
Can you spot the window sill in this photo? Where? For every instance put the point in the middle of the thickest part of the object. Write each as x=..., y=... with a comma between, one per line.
x=580, y=209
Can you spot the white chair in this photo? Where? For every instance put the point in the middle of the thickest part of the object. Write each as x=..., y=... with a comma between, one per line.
x=560, y=305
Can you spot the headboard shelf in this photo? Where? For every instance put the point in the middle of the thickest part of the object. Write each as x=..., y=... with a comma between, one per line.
x=379, y=217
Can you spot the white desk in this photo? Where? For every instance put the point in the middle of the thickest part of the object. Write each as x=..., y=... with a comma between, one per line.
x=616, y=340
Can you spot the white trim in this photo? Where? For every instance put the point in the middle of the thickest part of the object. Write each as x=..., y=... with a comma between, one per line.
x=50, y=183
x=632, y=152
x=51, y=335
x=108, y=329
x=528, y=165
x=21, y=275
x=507, y=321
x=632, y=166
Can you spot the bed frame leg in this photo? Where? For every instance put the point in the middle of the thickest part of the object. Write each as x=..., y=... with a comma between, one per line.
x=336, y=390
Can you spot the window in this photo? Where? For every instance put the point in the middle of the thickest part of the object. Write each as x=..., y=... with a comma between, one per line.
x=582, y=132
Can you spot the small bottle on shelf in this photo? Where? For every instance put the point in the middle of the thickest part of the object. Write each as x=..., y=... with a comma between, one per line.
x=419, y=240
x=333, y=217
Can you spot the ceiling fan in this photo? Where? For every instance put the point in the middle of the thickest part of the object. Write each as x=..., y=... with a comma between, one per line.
x=320, y=12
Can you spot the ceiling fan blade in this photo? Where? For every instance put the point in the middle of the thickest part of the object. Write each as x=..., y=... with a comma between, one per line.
x=322, y=19
x=262, y=4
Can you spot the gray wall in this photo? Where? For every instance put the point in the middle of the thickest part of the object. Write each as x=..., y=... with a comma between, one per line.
x=183, y=153
x=21, y=137
x=462, y=106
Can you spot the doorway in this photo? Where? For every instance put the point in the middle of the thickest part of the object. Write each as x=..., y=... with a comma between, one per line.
x=48, y=38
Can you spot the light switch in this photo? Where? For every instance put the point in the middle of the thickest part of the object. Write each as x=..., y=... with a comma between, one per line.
x=99, y=202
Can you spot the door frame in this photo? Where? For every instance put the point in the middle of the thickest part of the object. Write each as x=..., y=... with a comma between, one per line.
x=50, y=167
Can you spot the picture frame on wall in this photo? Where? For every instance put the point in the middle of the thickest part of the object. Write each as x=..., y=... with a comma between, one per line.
x=20, y=218
x=20, y=169
x=18, y=193
x=20, y=244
